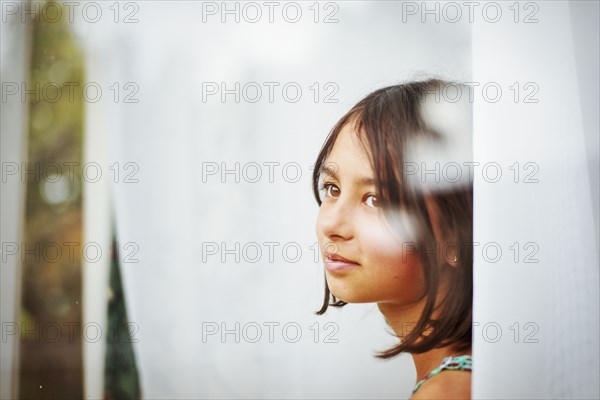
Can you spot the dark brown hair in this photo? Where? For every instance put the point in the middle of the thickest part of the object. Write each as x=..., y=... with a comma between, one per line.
x=388, y=120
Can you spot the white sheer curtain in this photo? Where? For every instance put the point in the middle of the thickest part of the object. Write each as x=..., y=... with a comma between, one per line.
x=171, y=212
x=538, y=322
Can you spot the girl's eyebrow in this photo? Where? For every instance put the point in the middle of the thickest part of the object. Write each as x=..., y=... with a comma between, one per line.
x=361, y=181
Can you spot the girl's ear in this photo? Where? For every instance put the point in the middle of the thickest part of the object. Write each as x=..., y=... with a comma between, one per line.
x=448, y=251
x=452, y=257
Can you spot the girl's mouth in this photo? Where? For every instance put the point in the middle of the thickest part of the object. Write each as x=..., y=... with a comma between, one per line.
x=337, y=263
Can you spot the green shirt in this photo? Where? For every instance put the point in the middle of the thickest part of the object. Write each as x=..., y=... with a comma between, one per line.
x=456, y=362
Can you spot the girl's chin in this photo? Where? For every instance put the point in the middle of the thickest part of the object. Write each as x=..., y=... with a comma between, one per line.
x=348, y=296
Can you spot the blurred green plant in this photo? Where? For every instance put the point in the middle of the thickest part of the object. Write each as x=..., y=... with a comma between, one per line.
x=51, y=292
x=120, y=371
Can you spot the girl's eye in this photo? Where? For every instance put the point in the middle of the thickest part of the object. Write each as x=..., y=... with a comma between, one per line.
x=330, y=190
x=371, y=201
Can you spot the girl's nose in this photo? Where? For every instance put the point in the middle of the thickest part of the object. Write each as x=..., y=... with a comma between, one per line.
x=336, y=221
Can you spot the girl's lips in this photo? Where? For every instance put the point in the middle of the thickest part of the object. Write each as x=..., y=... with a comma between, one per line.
x=335, y=263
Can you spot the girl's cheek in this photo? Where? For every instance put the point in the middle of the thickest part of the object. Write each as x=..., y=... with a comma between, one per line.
x=381, y=246
x=391, y=259
x=387, y=239
x=392, y=252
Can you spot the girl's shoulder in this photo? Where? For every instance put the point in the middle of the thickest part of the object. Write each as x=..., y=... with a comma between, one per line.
x=453, y=383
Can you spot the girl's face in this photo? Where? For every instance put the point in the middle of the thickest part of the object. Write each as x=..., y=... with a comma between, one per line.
x=365, y=259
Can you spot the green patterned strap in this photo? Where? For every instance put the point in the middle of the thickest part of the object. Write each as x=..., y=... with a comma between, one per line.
x=463, y=362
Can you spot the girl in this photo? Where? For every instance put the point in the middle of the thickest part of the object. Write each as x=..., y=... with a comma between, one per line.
x=391, y=237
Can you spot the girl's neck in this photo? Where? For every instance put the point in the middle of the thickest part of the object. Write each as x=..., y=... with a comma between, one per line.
x=401, y=319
